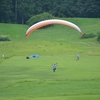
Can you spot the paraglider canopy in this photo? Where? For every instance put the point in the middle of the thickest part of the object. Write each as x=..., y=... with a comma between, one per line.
x=51, y=21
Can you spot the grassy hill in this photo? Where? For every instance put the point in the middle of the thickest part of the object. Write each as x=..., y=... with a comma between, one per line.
x=48, y=40
x=33, y=79
x=87, y=26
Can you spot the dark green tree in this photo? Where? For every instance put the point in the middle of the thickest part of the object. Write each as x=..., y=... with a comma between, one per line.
x=39, y=17
x=92, y=9
x=6, y=13
x=20, y=11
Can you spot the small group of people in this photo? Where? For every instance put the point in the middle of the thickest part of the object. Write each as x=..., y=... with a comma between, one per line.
x=54, y=66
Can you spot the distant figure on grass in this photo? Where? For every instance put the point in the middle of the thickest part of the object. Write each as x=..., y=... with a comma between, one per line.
x=54, y=67
x=78, y=56
x=3, y=56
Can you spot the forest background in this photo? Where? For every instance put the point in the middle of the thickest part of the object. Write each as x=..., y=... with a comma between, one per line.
x=19, y=11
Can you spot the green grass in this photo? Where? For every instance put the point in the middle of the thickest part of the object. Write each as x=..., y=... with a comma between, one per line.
x=28, y=79
x=33, y=78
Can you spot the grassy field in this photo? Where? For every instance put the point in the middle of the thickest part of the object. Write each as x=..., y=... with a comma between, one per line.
x=33, y=79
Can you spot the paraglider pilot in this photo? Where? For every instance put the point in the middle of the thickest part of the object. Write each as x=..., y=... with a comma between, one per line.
x=54, y=67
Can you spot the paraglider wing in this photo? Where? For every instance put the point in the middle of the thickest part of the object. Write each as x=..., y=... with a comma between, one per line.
x=52, y=21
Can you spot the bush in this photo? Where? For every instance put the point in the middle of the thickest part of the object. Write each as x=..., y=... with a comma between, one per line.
x=4, y=38
x=39, y=17
x=91, y=35
x=98, y=38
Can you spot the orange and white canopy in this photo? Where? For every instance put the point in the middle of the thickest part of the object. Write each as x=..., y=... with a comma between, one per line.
x=49, y=22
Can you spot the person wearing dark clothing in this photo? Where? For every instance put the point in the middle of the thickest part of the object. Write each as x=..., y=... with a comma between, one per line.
x=54, y=67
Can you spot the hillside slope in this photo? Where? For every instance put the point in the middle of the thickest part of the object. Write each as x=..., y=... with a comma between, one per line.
x=57, y=39
x=56, y=32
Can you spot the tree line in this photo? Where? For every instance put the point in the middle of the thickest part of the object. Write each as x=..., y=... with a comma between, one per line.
x=19, y=11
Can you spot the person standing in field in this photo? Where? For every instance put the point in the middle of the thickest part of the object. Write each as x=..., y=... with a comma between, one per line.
x=78, y=56
x=54, y=67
